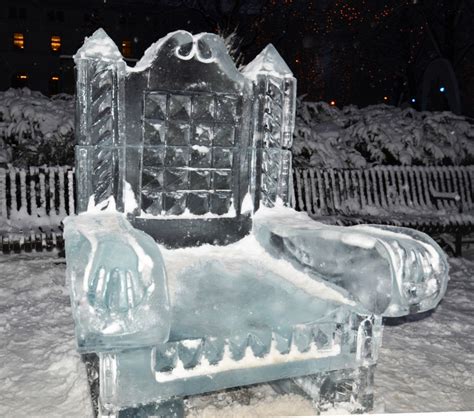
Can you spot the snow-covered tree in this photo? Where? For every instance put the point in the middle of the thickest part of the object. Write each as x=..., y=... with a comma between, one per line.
x=326, y=136
x=35, y=129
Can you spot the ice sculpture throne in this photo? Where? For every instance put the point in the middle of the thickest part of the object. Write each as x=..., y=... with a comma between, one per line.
x=240, y=289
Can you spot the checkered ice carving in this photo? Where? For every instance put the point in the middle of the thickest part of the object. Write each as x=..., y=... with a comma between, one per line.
x=190, y=143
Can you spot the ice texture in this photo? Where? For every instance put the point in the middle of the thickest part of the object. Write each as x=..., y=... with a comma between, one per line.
x=183, y=134
x=100, y=46
x=195, y=152
x=118, y=283
x=268, y=61
x=392, y=271
x=241, y=316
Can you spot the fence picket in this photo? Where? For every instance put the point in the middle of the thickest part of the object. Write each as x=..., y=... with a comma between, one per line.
x=33, y=204
x=30, y=200
x=13, y=198
x=70, y=179
x=3, y=194
x=44, y=195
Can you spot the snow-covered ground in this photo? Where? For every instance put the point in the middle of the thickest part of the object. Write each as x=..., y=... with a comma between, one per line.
x=40, y=371
x=425, y=364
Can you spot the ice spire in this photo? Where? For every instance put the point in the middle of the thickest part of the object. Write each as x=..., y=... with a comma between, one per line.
x=99, y=45
x=269, y=61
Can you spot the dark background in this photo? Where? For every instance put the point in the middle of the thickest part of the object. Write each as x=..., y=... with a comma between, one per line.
x=416, y=53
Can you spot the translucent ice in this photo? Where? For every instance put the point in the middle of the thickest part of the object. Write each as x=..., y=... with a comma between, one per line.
x=118, y=283
x=268, y=61
x=392, y=271
x=196, y=152
x=184, y=131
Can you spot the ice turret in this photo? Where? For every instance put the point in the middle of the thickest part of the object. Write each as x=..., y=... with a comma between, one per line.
x=270, y=62
x=274, y=125
x=100, y=70
x=98, y=46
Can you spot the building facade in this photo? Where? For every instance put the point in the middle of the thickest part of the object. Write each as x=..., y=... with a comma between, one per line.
x=38, y=38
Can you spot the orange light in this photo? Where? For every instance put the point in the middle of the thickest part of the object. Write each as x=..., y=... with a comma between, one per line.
x=23, y=77
x=332, y=103
x=18, y=40
x=55, y=78
x=127, y=48
x=55, y=43
x=385, y=97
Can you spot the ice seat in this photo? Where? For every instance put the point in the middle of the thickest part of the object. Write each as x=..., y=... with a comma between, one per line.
x=240, y=289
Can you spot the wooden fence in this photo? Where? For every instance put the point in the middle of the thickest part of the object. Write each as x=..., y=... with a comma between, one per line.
x=332, y=192
x=33, y=203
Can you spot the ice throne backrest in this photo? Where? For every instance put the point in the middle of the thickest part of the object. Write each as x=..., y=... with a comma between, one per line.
x=183, y=134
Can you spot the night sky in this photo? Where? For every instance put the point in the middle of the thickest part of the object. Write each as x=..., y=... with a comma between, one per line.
x=416, y=53
x=400, y=52
x=367, y=51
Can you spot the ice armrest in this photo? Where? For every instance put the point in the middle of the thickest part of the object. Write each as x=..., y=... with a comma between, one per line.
x=391, y=271
x=117, y=282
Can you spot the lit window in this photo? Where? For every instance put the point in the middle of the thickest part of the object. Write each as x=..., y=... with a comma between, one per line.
x=54, y=84
x=127, y=48
x=18, y=40
x=55, y=43
x=19, y=80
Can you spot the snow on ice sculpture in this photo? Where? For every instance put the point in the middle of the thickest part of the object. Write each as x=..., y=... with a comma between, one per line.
x=240, y=289
x=118, y=283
